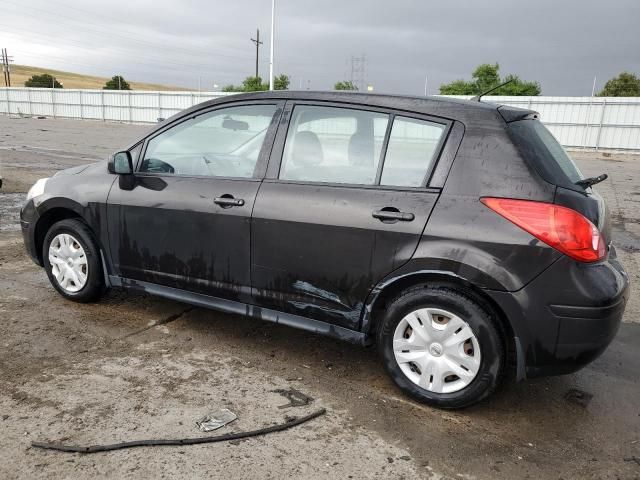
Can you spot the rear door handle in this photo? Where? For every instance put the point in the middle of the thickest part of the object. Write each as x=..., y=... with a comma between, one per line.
x=228, y=201
x=393, y=214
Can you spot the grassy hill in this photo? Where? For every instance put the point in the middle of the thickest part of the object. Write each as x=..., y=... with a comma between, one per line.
x=21, y=73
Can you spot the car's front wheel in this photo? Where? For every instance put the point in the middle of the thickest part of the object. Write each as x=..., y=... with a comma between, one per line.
x=441, y=347
x=72, y=261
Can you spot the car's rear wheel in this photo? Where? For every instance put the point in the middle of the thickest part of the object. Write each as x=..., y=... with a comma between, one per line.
x=441, y=347
x=72, y=261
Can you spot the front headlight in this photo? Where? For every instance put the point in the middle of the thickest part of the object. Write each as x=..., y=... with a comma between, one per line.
x=37, y=189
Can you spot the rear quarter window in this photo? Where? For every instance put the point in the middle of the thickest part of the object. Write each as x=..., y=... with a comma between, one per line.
x=544, y=152
x=411, y=151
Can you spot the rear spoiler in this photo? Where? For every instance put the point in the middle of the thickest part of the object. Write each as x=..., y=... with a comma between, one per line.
x=513, y=114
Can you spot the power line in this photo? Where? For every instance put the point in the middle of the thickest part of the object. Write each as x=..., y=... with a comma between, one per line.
x=83, y=24
x=106, y=43
x=129, y=54
x=109, y=33
x=126, y=52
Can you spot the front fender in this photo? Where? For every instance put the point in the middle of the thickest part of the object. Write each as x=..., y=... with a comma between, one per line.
x=83, y=195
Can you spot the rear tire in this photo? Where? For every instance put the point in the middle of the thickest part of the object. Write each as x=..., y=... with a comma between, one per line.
x=441, y=347
x=71, y=259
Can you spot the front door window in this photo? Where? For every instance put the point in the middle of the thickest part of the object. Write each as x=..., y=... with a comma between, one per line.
x=221, y=143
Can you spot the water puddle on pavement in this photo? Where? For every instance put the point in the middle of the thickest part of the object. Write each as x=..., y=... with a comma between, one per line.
x=625, y=240
x=10, y=204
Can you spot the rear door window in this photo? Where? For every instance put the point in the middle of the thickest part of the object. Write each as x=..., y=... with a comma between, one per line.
x=412, y=149
x=333, y=145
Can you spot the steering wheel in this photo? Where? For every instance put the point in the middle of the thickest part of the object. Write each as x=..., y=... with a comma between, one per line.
x=218, y=167
x=153, y=165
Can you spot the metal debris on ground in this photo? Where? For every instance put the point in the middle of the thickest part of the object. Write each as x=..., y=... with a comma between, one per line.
x=215, y=420
x=634, y=459
x=290, y=422
x=578, y=397
x=295, y=397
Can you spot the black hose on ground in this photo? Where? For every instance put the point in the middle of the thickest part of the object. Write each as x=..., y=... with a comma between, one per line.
x=183, y=441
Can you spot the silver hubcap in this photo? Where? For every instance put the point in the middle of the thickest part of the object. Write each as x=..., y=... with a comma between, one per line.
x=436, y=350
x=68, y=262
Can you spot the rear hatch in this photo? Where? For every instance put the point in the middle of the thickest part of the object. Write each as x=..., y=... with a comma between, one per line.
x=543, y=152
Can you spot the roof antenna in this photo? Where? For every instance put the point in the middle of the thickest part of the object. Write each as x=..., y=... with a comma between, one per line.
x=478, y=97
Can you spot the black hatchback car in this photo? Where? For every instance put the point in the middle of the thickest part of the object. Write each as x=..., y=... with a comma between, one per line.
x=458, y=236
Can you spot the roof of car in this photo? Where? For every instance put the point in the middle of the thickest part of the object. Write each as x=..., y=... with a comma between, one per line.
x=466, y=111
x=355, y=97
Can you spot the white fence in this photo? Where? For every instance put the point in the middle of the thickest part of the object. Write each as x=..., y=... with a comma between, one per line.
x=107, y=105
x=586, y=122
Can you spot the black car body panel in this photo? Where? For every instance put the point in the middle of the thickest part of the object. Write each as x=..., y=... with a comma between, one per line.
x=312, y=255
x=567, y=316
x=156, y=226
x=311, y=245
x=78, y=191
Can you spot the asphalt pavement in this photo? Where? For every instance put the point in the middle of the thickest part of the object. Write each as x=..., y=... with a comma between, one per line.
x=133, y=366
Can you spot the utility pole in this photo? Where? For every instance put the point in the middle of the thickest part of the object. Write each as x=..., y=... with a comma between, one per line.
x=8, y=59
x=6, y=68
x=258, y=43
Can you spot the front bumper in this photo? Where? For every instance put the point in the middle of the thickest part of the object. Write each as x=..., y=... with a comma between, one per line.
x=567, y=316
x=28, y=220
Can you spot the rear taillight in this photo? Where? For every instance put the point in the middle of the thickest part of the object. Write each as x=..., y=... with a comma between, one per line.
x=562, y=228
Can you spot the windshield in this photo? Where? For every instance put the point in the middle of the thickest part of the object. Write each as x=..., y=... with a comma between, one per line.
x=538, y=145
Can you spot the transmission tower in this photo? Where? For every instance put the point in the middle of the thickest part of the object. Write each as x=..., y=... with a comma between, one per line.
x=358, y=71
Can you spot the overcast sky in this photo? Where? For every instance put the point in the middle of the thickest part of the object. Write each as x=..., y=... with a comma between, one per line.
x=561, y=43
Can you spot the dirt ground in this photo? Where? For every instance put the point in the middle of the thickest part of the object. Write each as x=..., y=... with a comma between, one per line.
x=134, y=367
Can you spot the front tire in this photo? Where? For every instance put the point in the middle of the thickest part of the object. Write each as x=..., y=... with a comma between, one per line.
x=441, y=347
x=71, y=259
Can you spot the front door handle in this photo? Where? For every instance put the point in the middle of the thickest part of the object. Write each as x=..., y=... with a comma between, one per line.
x=391, y=214
x=228, y=201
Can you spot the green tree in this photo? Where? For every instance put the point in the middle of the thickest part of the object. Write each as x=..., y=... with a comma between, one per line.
x=254, y=84
x=345, y=85
x=487, y=76
x=458, y=87
x=43, y=81
x=281, y=82
x=233, y=88
x=624, y=85
x=117, y=83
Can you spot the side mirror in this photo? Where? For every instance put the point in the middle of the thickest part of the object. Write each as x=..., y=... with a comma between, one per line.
x=122, y=163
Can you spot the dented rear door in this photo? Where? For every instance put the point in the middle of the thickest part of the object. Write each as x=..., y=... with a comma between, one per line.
x=319, y=247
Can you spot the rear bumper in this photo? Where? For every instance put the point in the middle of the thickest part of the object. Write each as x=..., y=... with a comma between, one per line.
x=583, y=334
x=567, y=316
